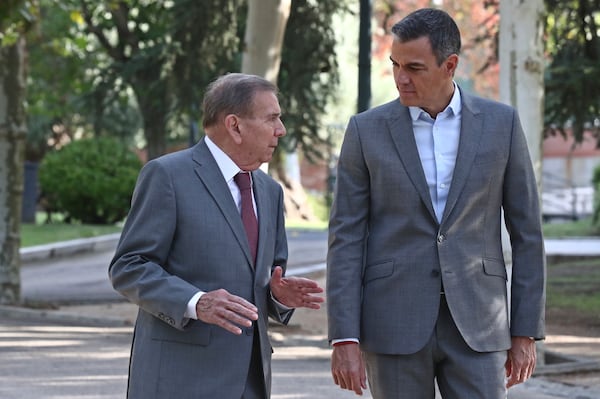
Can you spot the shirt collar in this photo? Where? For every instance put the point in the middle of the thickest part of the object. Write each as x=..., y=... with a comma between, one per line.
x=454, y=107
x=228, y=168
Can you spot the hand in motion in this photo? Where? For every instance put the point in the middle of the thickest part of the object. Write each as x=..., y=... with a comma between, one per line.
x=348, y=369
x=225, y=310
x=295, y=292
x=521, y=360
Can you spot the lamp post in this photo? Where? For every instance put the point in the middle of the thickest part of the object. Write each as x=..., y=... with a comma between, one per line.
x=364, y=56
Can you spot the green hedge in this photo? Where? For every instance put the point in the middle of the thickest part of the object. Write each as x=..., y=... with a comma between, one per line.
x=90, y=180
x=596, y=184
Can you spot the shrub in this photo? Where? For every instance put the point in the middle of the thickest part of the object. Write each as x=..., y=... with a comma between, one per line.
x=90, y=180
x=596, y=184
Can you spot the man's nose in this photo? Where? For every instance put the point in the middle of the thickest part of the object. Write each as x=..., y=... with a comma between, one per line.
x=280, y=130
x=402, y=78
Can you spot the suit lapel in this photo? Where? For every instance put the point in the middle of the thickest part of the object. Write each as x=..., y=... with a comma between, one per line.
x=400, y=128
x=470, y=134
x=209, y=173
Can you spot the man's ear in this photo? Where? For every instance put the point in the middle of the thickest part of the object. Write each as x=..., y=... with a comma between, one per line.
x=451, y=64
x=232, y=124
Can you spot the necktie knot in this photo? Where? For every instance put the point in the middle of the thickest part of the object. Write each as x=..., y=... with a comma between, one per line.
x=242, y=180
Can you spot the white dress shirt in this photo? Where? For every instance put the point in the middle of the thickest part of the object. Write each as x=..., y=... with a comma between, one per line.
x=437, y=142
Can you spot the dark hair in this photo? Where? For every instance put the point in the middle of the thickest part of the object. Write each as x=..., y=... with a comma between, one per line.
x=437, y=25
x=232, y=94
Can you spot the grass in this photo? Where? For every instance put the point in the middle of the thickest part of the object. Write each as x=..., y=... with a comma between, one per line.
x=40, y=232
x=44, y=233
x=37, y=234
x=573, y=289
x=579, y=228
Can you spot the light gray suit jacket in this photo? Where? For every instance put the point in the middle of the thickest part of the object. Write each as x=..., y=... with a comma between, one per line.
x=184, y=234
x=388, y=255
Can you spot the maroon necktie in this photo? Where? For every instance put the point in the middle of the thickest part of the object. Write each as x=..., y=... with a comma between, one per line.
x=242, y=180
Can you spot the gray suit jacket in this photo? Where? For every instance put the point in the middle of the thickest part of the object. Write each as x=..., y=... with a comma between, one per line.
x=388, y=255
x=184, y=234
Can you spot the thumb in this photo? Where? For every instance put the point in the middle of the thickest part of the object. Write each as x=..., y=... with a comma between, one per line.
x=277, y=273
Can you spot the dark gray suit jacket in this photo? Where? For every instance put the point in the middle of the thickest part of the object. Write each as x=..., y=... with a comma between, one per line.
x=184, y=234
x=388, y=255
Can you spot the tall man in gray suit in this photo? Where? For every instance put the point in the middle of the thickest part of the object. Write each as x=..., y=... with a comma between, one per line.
x=204, y=283
x=416, y=281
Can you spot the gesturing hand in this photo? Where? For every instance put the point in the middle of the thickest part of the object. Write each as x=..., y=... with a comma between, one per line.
x=225, y=310
x=295, y=292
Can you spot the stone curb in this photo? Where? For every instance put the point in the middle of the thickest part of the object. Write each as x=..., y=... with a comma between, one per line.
x=61, y=317
x=70, y=247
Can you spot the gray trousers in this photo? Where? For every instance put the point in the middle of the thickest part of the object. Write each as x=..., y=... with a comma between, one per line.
x=460, y=372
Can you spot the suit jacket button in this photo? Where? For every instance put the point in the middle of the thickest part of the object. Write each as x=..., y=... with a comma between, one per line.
x=441, y=238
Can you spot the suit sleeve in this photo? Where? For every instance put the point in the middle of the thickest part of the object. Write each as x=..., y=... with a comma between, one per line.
x=277, y=312
x=347, y=237
x=137, y=268
x=523, y=221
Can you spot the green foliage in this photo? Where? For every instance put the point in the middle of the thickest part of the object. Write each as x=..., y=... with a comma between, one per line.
x=596, y=185
x=91, y=180
x=66, y=89
x=572, y=81
x=47, y=233
x=16, y=17
x=130, y=66
x=308, y=76
x=572, y=77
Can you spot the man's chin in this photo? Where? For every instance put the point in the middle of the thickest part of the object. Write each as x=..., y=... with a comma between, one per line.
x=407, y=101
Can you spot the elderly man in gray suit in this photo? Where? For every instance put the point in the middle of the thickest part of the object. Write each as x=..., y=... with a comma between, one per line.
x=416, y=283
x=203, y=255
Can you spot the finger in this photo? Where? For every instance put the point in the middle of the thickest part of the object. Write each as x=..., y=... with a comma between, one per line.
x=313, y=298
x=246, y=313
x=243, y=303
x=357, y=386
x=277, y=273
x=237, y=318
x=303, y=283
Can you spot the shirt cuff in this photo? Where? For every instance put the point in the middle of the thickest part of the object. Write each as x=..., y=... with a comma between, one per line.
x=339, y=341
x=280, y=305
x=190, y=312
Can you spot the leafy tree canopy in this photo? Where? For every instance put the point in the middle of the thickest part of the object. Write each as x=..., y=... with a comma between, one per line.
x=119, y=67
x=572, y=80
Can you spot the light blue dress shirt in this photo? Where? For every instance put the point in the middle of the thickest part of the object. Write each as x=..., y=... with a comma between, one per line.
x=437, y=142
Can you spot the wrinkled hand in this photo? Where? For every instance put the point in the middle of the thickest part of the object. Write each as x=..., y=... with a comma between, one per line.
x=225, y=310
x=295, y=292
x=521, y=360
x=348, y=368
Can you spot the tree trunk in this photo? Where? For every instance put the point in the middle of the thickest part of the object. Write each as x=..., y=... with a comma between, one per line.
x=265, y=27
x=12, y=156
x=154, y=107
x=522, y=82
x=155, y=125
x=522, y=69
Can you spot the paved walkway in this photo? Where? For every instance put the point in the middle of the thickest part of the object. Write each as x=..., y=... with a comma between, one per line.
x=83, y=351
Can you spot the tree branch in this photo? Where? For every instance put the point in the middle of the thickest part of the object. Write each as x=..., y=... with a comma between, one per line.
x=113, y=52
